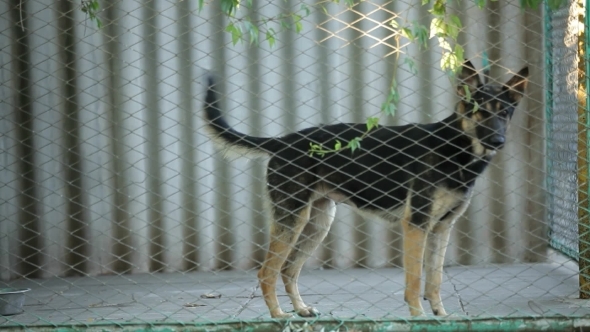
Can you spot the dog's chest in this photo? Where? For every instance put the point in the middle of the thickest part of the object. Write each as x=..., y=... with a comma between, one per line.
x=446, y=200
x=443, y=202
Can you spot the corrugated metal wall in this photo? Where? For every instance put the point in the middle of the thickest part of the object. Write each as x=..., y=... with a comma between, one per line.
x=105, y=168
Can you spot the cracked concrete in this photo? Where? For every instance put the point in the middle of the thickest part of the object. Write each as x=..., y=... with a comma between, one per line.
x=250, y=298
x=461, y=304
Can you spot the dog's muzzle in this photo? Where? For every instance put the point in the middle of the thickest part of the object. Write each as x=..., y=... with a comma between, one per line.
x=495, y=142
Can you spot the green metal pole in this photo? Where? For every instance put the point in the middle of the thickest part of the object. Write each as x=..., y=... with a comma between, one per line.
x=583, y=154
x=585, y=73
x=549, y=112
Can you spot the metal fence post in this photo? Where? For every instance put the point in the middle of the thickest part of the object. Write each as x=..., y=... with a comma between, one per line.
x=583, y=169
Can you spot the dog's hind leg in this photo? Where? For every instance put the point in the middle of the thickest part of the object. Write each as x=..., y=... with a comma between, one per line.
x=414, y=242
x=322, y=215
x=285, y=230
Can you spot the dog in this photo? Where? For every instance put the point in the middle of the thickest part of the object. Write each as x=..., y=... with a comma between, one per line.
x=419, y=174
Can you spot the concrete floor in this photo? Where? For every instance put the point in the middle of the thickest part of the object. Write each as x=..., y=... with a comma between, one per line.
x=541, y=290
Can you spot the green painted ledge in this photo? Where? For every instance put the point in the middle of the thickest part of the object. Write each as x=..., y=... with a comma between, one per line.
x=328, y=325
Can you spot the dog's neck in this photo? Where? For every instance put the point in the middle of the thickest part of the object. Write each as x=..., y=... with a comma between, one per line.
x=465, y=141
x=465, y=150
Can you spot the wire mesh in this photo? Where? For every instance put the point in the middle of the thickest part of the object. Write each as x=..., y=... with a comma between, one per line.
x=118, y=208
x=563, y=128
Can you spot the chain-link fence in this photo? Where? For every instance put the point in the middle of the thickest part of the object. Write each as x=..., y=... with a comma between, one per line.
x=562, y=42
x=117, y=207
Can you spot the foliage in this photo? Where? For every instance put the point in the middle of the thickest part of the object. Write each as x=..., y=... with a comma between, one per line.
x=268, y=27
x=444, y=27
x=90, y=7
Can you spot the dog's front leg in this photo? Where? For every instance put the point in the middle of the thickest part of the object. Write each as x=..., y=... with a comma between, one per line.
x=414, y=243
x=437, y=243
x=436, y=248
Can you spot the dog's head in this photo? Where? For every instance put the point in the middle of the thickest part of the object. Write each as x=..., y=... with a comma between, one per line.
x=486, y=109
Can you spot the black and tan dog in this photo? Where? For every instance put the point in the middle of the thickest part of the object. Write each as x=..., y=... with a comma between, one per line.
x=421, y=174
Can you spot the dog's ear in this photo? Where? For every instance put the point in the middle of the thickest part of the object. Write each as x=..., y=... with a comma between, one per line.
x=469, y=78
x=517, y=84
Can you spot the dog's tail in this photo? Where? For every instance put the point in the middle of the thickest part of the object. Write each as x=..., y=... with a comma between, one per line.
x=232, y=142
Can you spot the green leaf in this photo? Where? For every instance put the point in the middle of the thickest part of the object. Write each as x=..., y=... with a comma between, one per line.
x=285, y=25
x=230, y=27
x=475, y=107
x=480, y=3
x=454, y=26
x=459, y=56
x=201, y=5
x=393, y=96
x=392, y=109
x=270, y=36
x=229, y=7
x=394, y=23
x=444, y=44
x=406, y=32
x=449, y=62
x=388, y=108
x=338, y=145
x=94, y=5
x=530, y=3
x=298, y=27
x=297, y=21
x=438, y=27
x=555, y=4
x=236, y=33
x=315, y=149
x=253, y=31
x=349, y=3
x=425, y=2
x=305, y=9
x=420, y=32
x=354, y=144
x=467, y=92
x=393, y=86
x=372, y=122
x=412, y=65
x=439, y=8
x=98, y=23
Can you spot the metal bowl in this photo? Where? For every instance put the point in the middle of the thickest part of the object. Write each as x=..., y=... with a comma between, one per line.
x=12, y=301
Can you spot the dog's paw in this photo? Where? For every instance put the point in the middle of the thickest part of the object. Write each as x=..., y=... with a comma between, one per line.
x=417, y=312
x=418, y=316
x=439, y=311
x=282, y=315
x=308, y=312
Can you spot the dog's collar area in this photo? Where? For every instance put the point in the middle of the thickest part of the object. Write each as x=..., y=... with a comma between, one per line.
x=486, y=157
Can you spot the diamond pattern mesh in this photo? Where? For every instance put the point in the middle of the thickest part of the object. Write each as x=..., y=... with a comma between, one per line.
x=118, y=208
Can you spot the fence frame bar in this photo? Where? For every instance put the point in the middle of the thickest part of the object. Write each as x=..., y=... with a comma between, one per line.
x=583, y=154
